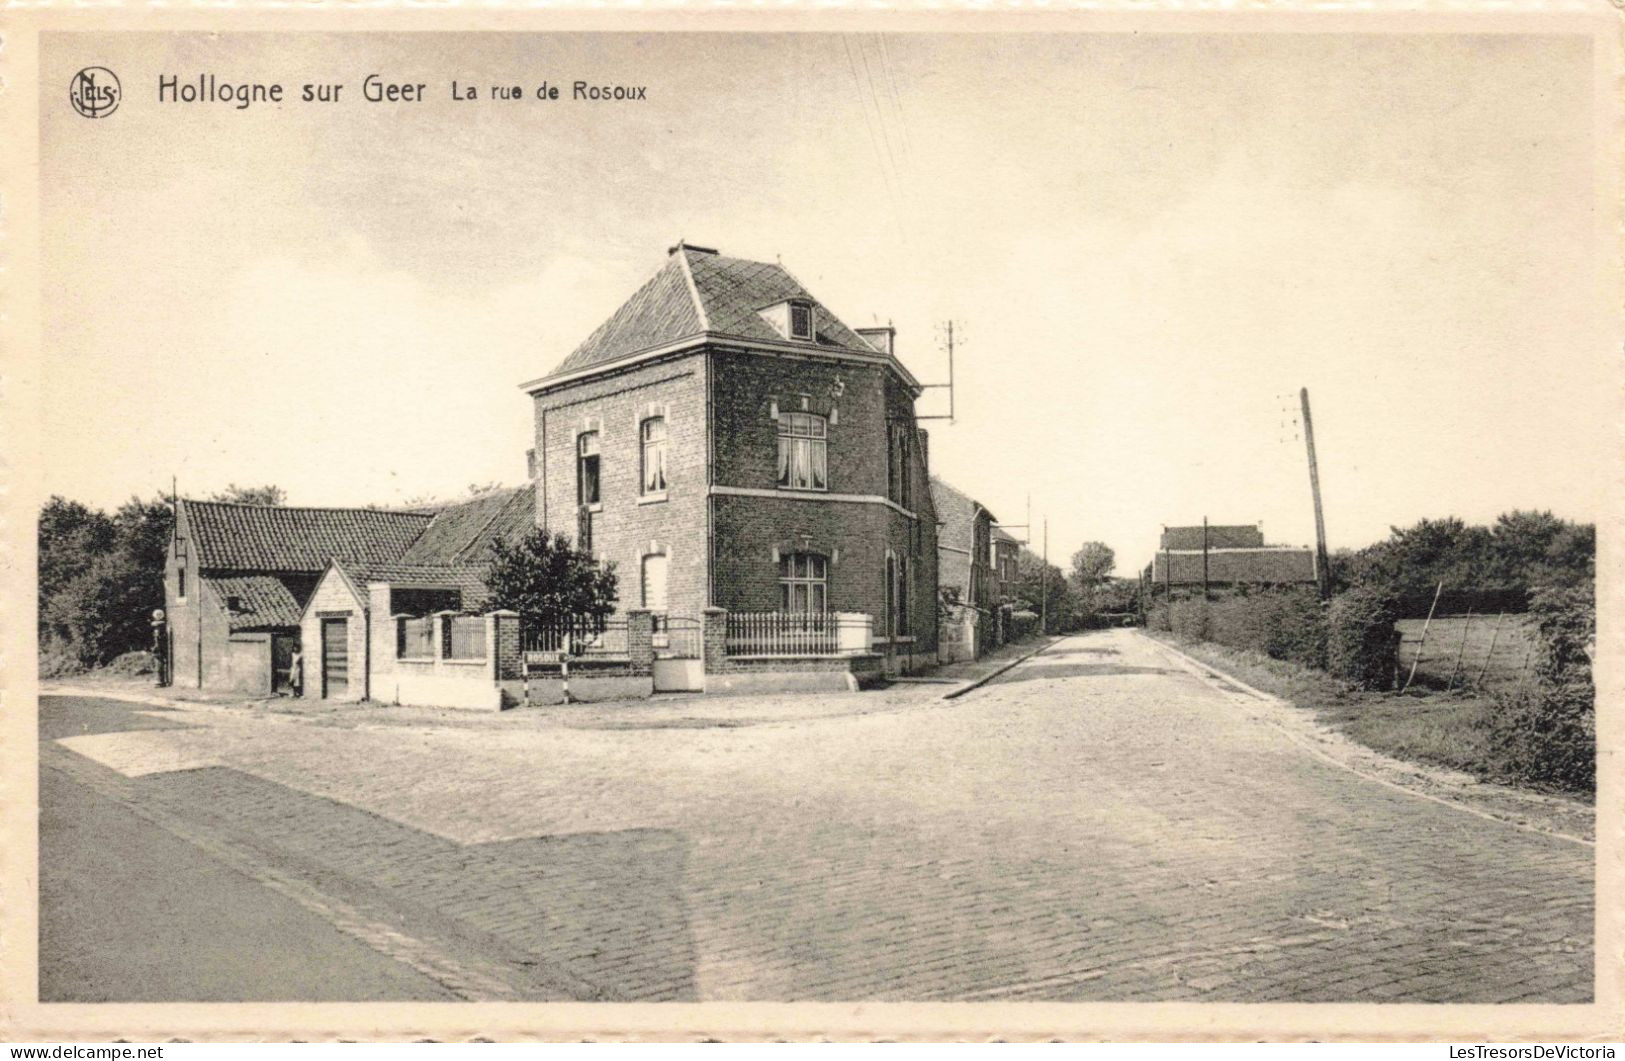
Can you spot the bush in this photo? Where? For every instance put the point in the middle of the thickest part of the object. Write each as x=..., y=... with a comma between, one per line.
x=1546, y=735
x=1546, y=732
x=1023, y=625
x=1361, y=642
x=1189, y=617
x=1286, y=624
x=57, y=660
x=1156, y=617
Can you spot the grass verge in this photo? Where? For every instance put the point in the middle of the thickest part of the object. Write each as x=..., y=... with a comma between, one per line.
x=1420, y=726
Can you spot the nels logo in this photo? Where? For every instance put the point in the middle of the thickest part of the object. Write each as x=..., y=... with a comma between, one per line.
x=95, y=92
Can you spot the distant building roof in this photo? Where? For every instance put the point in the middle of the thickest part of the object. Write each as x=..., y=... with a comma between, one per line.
x=262, y=600
x=956, y=513
x=1002, y=535
x=698, y=291
x=1243, y=536
x=463, y=532
x=469, y=579
x=271, y=538
x=1274, y=564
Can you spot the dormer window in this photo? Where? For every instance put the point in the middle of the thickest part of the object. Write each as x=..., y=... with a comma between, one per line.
x=801, y=321
x=792, y=319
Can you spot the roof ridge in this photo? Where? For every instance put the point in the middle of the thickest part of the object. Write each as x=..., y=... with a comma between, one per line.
x=693, y=288
x=308, y=508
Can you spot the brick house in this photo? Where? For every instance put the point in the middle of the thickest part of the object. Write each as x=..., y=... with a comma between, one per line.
x=727, y=442
x=1006, y=570
x=965, y=578
x=244, y=585
x=1236, y=555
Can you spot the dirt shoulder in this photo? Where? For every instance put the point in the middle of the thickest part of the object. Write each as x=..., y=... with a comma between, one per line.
x=1379, y=736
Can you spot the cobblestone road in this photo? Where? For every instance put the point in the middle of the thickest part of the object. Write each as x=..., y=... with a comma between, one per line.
x=1097, y=824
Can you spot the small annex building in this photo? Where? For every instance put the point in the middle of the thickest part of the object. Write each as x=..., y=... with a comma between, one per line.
x=240, y=580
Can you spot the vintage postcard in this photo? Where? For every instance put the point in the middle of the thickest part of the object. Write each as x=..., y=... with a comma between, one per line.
x=915, y=524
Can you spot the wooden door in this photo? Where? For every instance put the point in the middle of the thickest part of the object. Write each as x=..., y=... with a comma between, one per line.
x=335, y=658
x=282, y=646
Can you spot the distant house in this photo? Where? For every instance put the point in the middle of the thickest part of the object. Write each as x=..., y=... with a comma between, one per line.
x=240, y=582
x=965, y=573
x=1006, y=565
x=1235, y=555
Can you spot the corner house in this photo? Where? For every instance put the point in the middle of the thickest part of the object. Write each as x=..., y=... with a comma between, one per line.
x=727, y=442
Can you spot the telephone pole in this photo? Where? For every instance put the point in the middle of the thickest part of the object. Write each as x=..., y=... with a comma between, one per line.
x=1322, y=561
x=1043, y=584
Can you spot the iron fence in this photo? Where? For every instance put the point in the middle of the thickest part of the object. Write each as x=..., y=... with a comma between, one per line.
x=579, y=636
x=796, y=634
x=465, y=637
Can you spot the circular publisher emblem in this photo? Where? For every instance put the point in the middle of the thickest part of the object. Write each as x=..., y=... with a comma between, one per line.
x=95, y=92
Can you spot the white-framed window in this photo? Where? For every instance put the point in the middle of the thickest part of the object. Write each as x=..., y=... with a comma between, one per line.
x=587, y=479
x=654, y=582
x=803, y=583
x=897, y=464
x=653, y=434
x=803, y=451
x=801, y=320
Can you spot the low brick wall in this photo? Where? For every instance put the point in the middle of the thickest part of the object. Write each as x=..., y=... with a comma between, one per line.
x=790, y=674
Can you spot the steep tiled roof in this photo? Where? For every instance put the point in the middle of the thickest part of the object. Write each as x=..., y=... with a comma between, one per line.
x=701, y=291
x=1244, y=536
x=468, y=578
x=956, y=514
x=463, y=533
x=1002, y=535
x=276, y=538
x=1275, y=564
x=263, y=600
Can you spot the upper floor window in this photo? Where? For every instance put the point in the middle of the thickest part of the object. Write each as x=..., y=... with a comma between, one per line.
x=801, y=320
x=897, y=470
x=803, y=583
x=180, y=581
x=587, y=468
x=803, y=455
x=653, y=432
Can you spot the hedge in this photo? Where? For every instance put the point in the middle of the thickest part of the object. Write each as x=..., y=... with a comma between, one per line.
x=1545, y=731
x=1361, y=642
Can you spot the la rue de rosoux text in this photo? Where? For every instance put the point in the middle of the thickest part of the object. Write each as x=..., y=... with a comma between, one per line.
x=240, y=95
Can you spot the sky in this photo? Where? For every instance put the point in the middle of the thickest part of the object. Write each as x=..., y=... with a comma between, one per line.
x=1148, y=243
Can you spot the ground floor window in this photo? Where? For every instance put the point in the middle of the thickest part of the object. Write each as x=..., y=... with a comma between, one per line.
x=654, y=582
x=803, y=583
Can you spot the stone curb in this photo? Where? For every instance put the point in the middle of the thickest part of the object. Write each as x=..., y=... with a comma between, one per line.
x=977, y=683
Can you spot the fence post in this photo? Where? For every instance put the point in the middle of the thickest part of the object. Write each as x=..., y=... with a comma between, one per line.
x=1494, y=636
x=715, y=636
x=1417, y=662
x=502, y=635
x=640, y=628
x=1462, y=654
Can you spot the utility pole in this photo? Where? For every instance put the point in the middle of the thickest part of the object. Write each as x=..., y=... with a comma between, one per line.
x=1204, y=559
x=1322, y=561
x=1043, y=584
x=949, y=386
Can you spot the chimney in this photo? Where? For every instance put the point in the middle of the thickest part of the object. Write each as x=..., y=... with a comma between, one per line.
x=530, y=464
x=882, y=339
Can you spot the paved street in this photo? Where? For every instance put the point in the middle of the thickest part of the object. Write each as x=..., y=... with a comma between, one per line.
x=1098, y=824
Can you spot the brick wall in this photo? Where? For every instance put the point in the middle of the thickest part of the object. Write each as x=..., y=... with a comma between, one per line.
x=630, y=525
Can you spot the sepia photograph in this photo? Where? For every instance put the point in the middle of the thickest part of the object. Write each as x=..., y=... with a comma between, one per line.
x=910, y=511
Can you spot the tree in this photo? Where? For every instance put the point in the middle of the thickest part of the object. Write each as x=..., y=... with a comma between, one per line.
x=101, y=577
x=1038, y=582
x=1092, y=564
x=252, y=495
x=546, y=579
